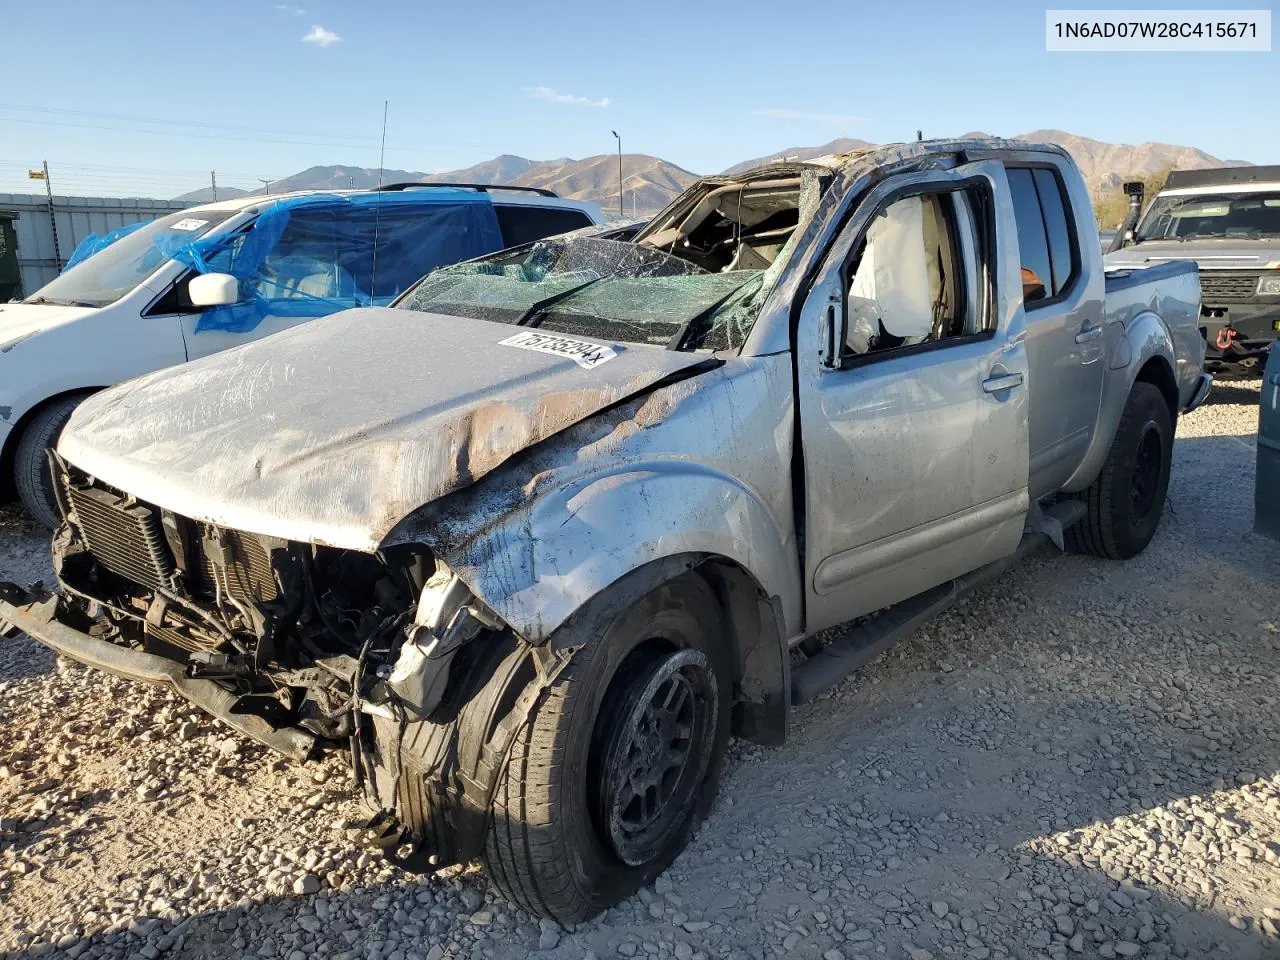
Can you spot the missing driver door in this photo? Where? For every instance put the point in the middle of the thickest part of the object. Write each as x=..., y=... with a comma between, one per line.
x=915, y=436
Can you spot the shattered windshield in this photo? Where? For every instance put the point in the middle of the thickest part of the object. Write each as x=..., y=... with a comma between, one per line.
x=609, y=289
x=1246, y=215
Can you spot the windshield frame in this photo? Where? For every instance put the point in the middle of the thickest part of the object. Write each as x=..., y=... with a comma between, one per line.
x=60, y=290
x=1161, y=210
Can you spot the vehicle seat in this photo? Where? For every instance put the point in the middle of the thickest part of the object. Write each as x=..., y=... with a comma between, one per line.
x=305, y=278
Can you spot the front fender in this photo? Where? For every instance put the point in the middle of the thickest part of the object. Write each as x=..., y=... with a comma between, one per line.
x=549, y=555
x=1145, y=337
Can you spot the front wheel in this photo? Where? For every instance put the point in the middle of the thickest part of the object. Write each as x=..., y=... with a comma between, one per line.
x=607, y=780
x=31, y=473
x=1125, y=502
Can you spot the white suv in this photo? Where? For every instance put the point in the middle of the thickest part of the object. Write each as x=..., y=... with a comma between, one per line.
x=216, y=276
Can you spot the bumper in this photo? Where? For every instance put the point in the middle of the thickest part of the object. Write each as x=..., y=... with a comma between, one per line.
x=1203, y=385
x=1253, y=327
x=38, y=619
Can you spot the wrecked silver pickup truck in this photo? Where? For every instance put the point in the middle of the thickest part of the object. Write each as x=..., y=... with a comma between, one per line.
x=532, y=546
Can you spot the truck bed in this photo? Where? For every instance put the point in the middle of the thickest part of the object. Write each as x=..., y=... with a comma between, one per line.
x=1172, y=292
x=1132, y=285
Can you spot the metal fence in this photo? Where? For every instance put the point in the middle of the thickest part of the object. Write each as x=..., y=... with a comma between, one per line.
x=39, y=259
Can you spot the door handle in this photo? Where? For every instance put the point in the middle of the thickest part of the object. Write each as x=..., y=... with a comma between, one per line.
x=1004, y=381
x=1088, y=333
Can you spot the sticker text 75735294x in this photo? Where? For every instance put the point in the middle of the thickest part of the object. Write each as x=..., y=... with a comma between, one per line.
x=582, y=352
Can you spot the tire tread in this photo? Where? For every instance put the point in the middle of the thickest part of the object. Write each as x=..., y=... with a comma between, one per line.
x=1095, y=534
x=29, y=461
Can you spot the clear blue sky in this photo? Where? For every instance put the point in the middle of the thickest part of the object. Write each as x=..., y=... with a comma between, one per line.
x=701, y=85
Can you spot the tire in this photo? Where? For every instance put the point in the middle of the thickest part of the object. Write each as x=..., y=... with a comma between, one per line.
x=31, y=465
x=562, y=841
x=1125, y=502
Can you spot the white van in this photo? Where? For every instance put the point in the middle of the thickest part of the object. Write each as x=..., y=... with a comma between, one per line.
x=216, y=276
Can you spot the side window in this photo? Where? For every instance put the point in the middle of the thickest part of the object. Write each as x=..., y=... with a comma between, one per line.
x=1062, y=254
x=527, y=223
x=306, y=262
x=906, y=284
x=1049, y=254
x=1033, y=242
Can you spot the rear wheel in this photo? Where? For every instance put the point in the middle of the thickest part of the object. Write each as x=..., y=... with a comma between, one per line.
x=1126, y=500
x=31, y=463
x=607, y=780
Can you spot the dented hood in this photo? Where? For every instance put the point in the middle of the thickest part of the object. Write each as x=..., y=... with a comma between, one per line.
x=335, y=430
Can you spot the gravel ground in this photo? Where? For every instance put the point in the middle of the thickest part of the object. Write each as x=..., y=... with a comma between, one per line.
x=1082, y=759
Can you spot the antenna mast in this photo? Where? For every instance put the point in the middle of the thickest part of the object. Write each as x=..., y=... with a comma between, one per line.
x=377, y=206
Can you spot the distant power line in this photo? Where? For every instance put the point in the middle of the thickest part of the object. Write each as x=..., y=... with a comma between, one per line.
x=94, y=167
x=177, y=127
x=181, y=122
x=106, y=179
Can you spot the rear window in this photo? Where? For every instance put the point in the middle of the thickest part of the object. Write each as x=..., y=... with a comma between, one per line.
x=1053, y=206
x=525, y=224
x=1049, y=256
x=1033, y=243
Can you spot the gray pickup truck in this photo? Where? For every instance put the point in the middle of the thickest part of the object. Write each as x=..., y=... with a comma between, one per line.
x=532, y=546
x=1227, y=221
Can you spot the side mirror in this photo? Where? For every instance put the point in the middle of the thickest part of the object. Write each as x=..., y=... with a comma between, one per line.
x=213, y=290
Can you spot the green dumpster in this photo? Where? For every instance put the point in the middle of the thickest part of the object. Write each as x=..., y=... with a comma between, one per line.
x=10, y=278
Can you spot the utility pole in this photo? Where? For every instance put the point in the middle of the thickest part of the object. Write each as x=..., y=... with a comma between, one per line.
x=919, y=136
x=53, y=220
x=621, y=212
x=213, y=182
x=266, y=186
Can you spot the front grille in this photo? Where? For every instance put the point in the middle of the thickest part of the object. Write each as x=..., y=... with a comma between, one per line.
x=125, y=538
x=1226, y=285
x=247, y=574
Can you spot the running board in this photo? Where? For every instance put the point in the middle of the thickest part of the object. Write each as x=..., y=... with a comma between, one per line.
x=862, y=644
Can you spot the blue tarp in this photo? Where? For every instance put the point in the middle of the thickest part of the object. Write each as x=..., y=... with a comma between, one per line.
x=312, y=256
x=93, y=243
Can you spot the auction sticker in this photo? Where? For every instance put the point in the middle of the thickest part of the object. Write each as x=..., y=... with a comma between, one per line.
x=582, y=352
x=188, y=224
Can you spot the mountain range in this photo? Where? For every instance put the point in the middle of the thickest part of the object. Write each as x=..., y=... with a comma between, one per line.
x=649, y=183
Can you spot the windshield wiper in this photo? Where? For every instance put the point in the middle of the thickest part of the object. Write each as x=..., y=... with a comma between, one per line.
x=698, y=319
x=54, y=302
x=527, y=317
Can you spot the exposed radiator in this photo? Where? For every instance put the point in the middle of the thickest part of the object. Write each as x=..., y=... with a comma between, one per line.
x=247, y=575
x=126, y=539
x=179, y=639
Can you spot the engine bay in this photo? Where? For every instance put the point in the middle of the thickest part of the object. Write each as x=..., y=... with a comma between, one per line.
x=304, y=635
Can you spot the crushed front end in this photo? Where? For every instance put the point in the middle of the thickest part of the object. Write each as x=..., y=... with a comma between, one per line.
x=386, y=656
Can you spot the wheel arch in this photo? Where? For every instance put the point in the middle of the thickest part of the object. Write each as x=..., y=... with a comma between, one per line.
x=603, y=540
x=1145, y=352
x=19, y=427
x=1158, y=372
x=753, y=627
